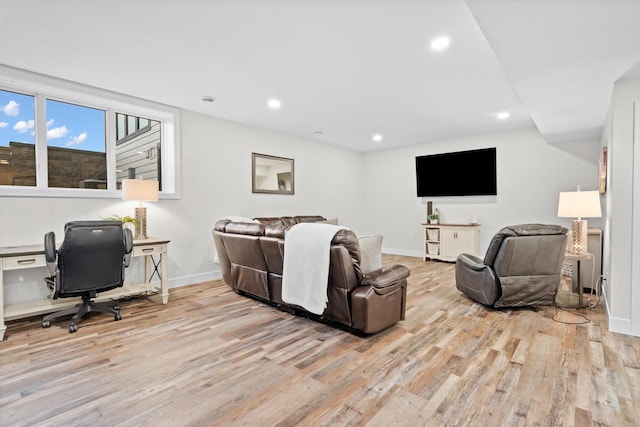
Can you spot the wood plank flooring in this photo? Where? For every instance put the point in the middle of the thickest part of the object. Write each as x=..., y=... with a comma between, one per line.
x=214, y=358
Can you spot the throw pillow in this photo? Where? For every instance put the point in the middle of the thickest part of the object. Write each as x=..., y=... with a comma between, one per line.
x=333, y=221
x=370, y=253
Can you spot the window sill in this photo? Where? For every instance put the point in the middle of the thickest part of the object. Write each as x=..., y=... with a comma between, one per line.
x=71, y=193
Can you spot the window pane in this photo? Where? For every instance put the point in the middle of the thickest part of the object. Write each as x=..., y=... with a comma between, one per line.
x=121, y=126
x=140, y=156
x=76, y=146
x=131, y=125
x=17, y=147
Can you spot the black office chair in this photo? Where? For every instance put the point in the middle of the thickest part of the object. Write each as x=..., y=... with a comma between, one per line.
x=91, y=259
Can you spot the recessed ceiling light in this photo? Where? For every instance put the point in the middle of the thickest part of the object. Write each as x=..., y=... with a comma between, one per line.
x=503, y=115
x=377, y=137
x=206, y=99
x=274, y=103
x=440, y=43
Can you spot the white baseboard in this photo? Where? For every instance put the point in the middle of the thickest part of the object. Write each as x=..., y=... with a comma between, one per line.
x=177, y=282
x=403, y=252
x=619, y=325
x=616, y=324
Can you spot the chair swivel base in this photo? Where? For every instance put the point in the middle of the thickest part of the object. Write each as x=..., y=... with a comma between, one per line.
x=80, y=311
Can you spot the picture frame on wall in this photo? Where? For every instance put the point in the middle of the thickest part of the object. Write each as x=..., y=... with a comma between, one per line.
x=272, y=174
x=602, y=178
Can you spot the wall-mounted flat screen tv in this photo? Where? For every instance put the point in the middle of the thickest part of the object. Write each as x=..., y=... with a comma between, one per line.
x=461, y=173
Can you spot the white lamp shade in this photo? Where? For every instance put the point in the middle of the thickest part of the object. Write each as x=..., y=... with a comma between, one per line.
x=579, y=204
x=144, y=190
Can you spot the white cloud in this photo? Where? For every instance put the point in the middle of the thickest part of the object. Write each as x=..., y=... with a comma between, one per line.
x=3, y=125
x=49, y=123
x=76, y=140
x=58, y=132
x=23, y=126
x=12, y=109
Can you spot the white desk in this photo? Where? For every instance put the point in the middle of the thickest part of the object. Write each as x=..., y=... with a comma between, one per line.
x=32, y=256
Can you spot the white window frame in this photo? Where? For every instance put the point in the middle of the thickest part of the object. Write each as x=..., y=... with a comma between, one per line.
x=44, y=87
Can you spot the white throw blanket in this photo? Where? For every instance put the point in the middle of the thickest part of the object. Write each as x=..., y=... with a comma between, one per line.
x=306, y=265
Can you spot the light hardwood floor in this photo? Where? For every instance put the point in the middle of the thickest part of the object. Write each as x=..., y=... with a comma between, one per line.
x=214, y=358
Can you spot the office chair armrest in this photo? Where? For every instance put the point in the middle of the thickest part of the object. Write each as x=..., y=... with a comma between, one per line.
x=50, y=252
x=128, y=246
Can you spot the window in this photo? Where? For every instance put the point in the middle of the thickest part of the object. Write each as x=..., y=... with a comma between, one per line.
x=61, y=139
x=138, y=149
x=76, y=146
x=17, y=139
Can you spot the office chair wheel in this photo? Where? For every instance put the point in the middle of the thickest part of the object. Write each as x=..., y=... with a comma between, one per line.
x=46, y=324
x=116, y=307
x=72, y=328
x=117, y=316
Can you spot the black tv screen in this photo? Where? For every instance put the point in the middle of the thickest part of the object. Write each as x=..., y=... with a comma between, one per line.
x=462, y=173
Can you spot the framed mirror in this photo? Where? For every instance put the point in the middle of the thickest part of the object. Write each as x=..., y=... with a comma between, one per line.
x=271, y=174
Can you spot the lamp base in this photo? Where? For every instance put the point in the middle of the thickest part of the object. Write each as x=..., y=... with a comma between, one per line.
x=578, y=244
x=141, y=223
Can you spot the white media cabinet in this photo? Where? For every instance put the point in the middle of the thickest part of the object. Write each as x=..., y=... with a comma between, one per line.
x=446, y=241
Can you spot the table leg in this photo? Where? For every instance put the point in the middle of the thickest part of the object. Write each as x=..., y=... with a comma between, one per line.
x=3, y=327
x=580, y=290
x=164, y=282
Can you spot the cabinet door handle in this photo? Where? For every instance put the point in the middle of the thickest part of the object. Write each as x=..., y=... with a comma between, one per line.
x=26, y=261
x=147, y=250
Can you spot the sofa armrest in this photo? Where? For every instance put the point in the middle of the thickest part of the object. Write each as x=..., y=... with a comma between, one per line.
x=471, y=262
x=381, y=299
x=386, y=277
x=477, y=280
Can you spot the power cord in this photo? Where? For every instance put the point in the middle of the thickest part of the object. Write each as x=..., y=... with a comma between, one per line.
x=586, y=319
x=555, y=304
x=595, y=294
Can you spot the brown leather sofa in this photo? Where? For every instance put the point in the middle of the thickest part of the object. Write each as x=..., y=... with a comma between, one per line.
x=251, y=256
x=521, y=267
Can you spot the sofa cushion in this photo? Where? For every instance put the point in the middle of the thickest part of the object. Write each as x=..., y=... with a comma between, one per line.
x=270, y=221
x=309, y=218
x=288, y=221
x=248, y=228
x=239, y=219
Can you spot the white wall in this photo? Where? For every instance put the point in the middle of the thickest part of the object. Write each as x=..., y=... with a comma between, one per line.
x=530, y=174
x=618, y=255
x=216, y=182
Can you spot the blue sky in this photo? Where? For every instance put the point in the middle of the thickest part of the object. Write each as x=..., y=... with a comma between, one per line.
x=68, y=125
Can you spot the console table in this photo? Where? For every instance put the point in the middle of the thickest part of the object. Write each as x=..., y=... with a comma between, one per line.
x=568, y=299
x=32, y=256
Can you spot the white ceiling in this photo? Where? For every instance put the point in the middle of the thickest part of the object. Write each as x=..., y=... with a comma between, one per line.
x=347, y=68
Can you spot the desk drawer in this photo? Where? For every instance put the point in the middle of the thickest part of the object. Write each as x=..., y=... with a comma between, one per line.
x=146, y=250
x=23, y=261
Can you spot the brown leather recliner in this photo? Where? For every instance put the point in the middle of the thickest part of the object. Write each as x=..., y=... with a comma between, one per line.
x=251, y=256
x=521, y=267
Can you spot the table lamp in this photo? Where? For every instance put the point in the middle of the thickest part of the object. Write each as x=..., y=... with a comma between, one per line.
x=579, y=204
x=141, y=190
